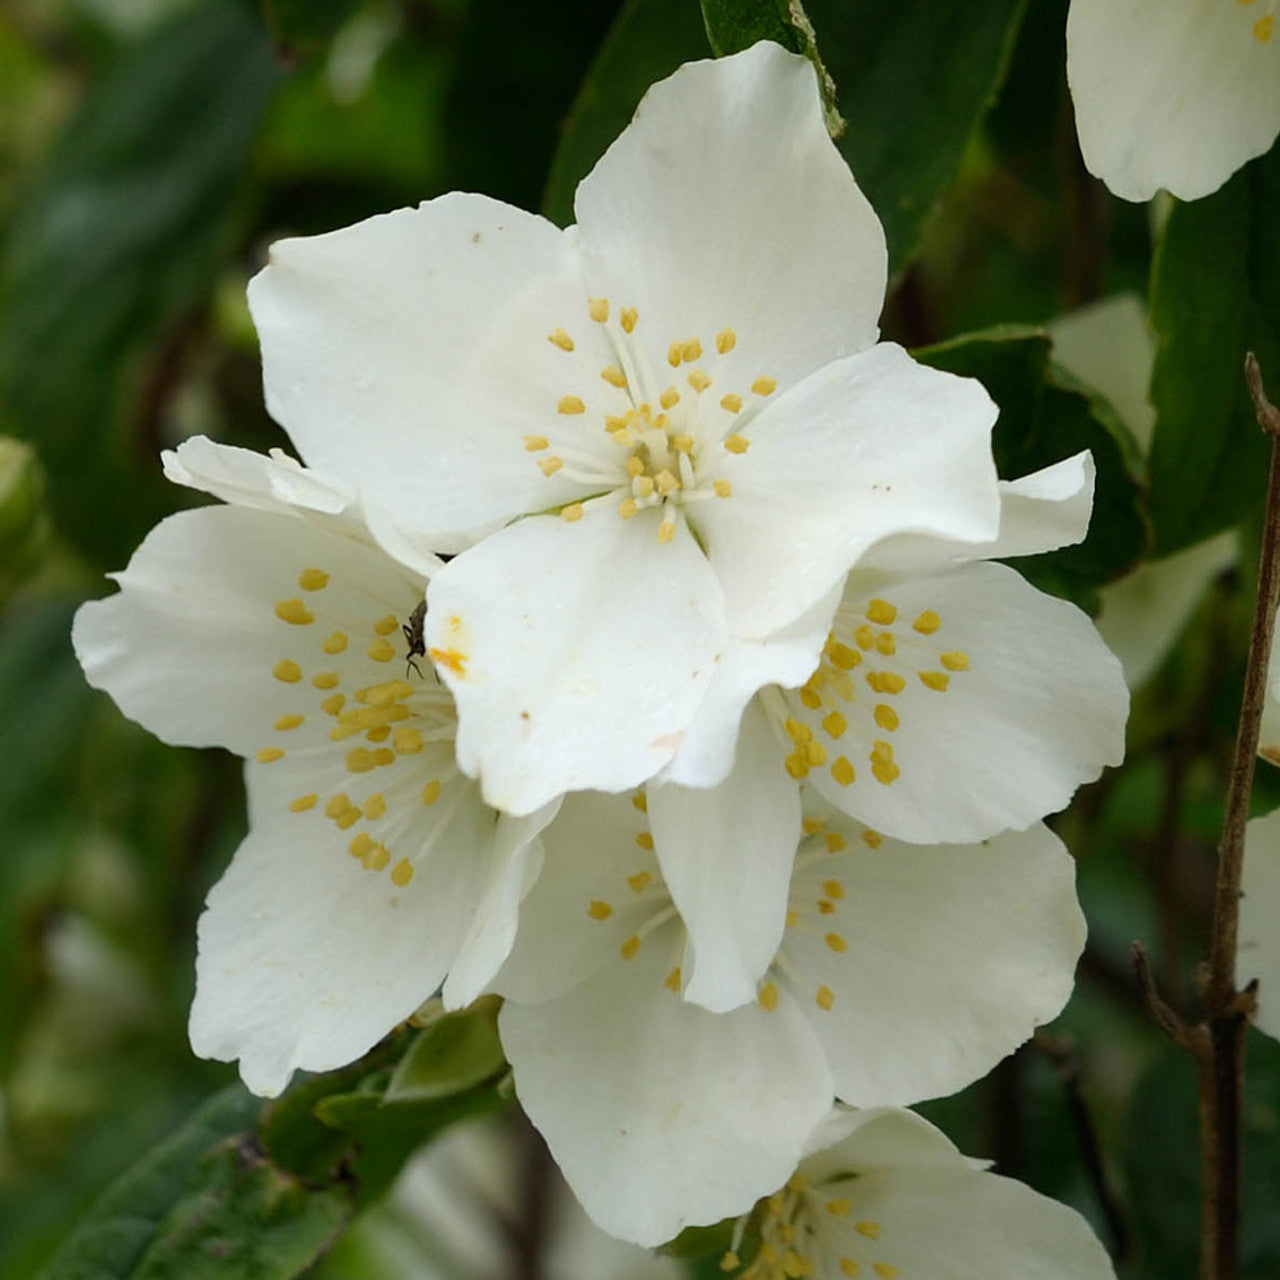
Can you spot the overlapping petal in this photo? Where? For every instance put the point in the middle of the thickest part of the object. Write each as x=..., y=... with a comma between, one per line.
x=1258, y=954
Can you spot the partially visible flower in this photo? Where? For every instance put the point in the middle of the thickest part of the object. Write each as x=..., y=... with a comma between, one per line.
x=1258, y=951
x=883, y=1194
x=904, y=973
x=660, y=432
x=372, y=868
x=1173, y=93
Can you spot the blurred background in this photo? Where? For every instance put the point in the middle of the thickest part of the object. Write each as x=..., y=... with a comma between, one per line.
x=150, y=151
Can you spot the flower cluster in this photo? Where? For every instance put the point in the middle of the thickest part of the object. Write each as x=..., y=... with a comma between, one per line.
x=633, y=646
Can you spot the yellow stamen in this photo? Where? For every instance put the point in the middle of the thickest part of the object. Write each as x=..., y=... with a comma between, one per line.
x=614, y=376
x=303, y=803
x=313, y=579
x=401, y=874
x=764, y=386
x=294, y=612
x=735, y=443
x=726, y=340
x=558, y=338
x=535, y=444
x=627, y=317
x=266, y=755
x=289, y=722
x=598, y=309
x=336, y=643
x=599, y=910
x=570, y=404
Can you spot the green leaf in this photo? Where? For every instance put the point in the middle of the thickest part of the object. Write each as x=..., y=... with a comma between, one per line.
x=122, y=236
x=455, y=1053
x=733, y=25
x=913, y=80
x=1215, y=293
x=1045, y=416
x=647, y=42
x=306, y=26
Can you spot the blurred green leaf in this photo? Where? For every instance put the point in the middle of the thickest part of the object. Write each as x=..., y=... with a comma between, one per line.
x=304, y=26
x=1215, y=293
x=733, y=25
x=24, y=524
x=455, y=1053
x=1045, y=416
x=122, y=236
x=913, y=80
x=649, y=40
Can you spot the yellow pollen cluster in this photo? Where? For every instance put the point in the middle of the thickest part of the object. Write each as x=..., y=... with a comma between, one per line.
x=1264, y=27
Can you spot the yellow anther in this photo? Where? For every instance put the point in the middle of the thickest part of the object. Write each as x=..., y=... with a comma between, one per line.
x=672, y=982
x=955, y=660
x=1263, y=29
x=401, y=873
x=627, y=317
x=836, y=942
x=886, y=644
x=598, y=309
x=599, y=910
x=572, y=512
x=797, y=730
x=793, y=1265
x=549, y=466
x=884, y=1270
x=869, y=1229
x=825, y=906
x=811, y=698
x=792, y=919
x=614, y=376
x=385, y=626
x=726, y=340
x=384, y=755
x=407, y=742
x=764, y=386
x=730, y=1261
x=735, y=443
x=451, y=659
x=835, y=844
x=768, y=997
x=682, y=443
x=535, y=444
x=376, y=858
x=644, y=486
x=374, y=807
x=723, y=489
x=640, y=881
x=669, y=398
x=313, y=579
x=289, y=722
x=303, y=803
x=927, y=623
x=645, y=841
x=886, y=717
x=865, y=637
x=558, y=338
x=384, y=695
x=360, y=760
x=796, y=765
x=841, y=656
x=630, y=947
x=938, y=681
x=336, y=806
x=849, y=1267
x=674, y=352
x=381, y=651
x=698, y=381
x=634, y=467
x=833, y=889
x=380, y=733
x=287, y=670
x=691, y=351
x=834, y=724
x=881, y=612
x=825, y=998
x=347, y=818
x=814, y=754
x=266, y=755
x=842, y=771
x=666, y=481
x=336, y=643
x=431, y=793
x=872, y=839
x=295, y=612
x=361, y=845
x=885, y=682
x=881, y=751
x=640, y=801
x=666, y=531
x=627, y=508
x=570, y=405
x=811, y=826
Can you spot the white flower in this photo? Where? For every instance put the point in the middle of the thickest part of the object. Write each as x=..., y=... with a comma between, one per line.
x=1173, y=93
x=952, y=701
x=651, y=436
x=883, y=1194
x=1258, y=950
x=372, y=867
x=904, y=973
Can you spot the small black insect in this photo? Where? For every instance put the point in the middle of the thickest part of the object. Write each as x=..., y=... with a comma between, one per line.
x=413, y=637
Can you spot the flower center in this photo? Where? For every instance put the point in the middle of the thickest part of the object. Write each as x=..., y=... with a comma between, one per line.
x=370, y=748
x=672, y=429
x=1264, y=24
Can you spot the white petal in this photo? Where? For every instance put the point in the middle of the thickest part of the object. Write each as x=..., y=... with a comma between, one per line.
x=726, y=855
x=660, y=1114
x=725, y=204
x=867, y=447
x=1143, y=614
x=931, y=1213
x=992, y=704
x=578, y=652
x=787, y=658
x=306, y=957
x=189, y=645
x=600, y=883
x=979, y=942
x=1259, y=948
x=367, y=334
x=1171, y=93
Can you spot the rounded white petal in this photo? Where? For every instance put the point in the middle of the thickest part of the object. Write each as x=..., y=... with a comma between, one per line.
x=1172, y=93
x=867, y=447
x=660, y=1114
x=578, y=652
x=191, y=645
x=726, y=854
x=368, y=336
x=960, y=705
x=1258, y=954
x=725, y=205
x=977, y=942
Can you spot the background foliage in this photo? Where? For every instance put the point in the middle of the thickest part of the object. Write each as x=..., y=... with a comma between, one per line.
x=149, y=152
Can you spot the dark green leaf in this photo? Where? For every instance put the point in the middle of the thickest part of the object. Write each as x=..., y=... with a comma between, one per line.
x=913, y=80
x=1046, y=416
x=733, y=25
x=649, y=40
x=455, y=1053
x=122, y=236
x=305, y=26
x=1215, y=293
